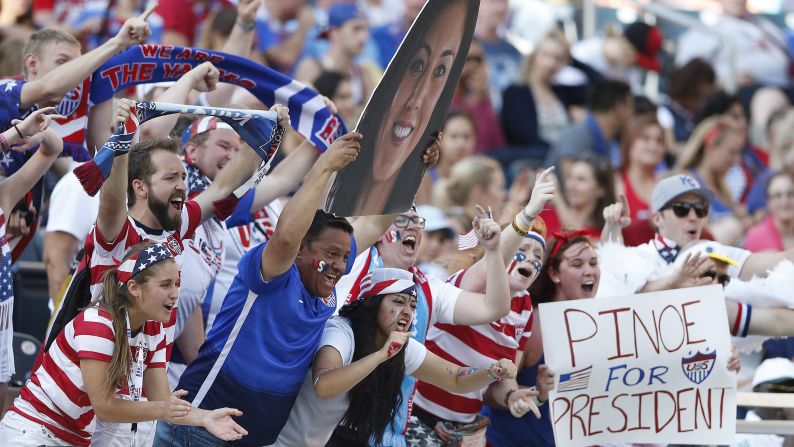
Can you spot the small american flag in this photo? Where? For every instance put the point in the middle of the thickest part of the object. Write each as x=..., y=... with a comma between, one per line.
x=467, y=241
x=6, y=280
x=573, y=381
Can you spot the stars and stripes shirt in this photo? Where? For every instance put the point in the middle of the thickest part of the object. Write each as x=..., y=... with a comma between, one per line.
x=478, y=345
x=6, y=280
x=56, y=397
x=103, y=255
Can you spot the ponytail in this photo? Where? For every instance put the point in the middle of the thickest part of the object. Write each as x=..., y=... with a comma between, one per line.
x=115, y=300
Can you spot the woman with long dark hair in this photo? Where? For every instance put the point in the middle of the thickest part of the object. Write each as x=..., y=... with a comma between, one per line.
x=358, y=370
x=115, y=346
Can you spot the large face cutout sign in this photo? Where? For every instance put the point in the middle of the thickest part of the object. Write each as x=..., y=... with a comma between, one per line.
x=405, y=111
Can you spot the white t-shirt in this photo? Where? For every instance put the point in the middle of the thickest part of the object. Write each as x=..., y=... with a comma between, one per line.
x=313, y=420
x=72, y=210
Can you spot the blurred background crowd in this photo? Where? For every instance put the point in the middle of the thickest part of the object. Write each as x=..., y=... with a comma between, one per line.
x=617, y=94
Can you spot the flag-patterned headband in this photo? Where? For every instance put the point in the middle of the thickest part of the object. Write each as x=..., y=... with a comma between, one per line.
x=141, y=259
x=383, y=281
x=536, y=236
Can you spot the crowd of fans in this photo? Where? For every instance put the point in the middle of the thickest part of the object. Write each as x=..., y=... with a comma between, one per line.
x=552, y=172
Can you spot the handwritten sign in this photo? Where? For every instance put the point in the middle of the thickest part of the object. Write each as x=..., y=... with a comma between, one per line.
x=649, y=368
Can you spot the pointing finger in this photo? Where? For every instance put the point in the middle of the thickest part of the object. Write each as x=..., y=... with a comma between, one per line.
x=148, y=11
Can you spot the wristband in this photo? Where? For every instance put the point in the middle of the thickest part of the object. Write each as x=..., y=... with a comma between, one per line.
x=245, y=26
x=19, y=132
x=537, y=399
x=491, y=375
x=526, y=215
x=521, y=231
x=507, y=397
x=524, y=220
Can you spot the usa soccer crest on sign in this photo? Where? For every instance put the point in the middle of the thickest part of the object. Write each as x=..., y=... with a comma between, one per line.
x=698, y=367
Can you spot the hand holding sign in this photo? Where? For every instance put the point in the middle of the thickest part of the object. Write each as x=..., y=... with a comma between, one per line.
x=341, y=153
x=544, y=382
x=433, y=151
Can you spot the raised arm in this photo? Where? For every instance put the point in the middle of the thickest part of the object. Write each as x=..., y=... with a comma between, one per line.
x=759, y=264
x=688, y=274
x=331, y=378
x=542, y=192
x=113, y=195
x=235, y=173
x=462, y=379
x=284, y=55
x=294, y=222
x=203, y=78
x=476, y=308
x=54, y=85
x=616, y=217
x=34, y=130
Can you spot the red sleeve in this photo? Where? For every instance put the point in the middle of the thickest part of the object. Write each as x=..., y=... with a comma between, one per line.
x=43, y=5
x=178, y=17
x=191, y=216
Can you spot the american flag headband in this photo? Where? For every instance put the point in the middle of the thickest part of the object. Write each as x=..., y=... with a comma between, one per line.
x=385, y=282
x=140, y=260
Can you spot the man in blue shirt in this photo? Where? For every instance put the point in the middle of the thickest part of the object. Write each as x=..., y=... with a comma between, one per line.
x=264, y=338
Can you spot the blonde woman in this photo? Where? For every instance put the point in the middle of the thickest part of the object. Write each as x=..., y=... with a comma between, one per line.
x=473, y=181
x=714, y=147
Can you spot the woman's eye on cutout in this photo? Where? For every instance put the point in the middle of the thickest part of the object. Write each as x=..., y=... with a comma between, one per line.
x=418, y=66
x=440, y=71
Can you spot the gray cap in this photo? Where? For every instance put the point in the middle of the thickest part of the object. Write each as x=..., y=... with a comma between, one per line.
x=675, y=186
x=436, y=219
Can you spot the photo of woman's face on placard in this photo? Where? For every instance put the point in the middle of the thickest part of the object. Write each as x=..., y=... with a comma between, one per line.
x=405, y=111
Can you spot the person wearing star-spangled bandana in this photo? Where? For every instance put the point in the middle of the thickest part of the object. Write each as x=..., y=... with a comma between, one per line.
x=20, y=135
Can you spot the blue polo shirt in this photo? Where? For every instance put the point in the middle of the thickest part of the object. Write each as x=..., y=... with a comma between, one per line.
x=259, y=349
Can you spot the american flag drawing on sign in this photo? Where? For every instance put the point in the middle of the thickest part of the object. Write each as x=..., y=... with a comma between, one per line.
x=467, y=241
x=573, y=381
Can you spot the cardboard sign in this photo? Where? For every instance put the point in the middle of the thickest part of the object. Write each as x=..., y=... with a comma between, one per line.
x=405, y=112
x=648, y=368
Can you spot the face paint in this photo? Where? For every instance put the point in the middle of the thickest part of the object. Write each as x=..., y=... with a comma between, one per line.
x=537, y=265
x=321, y=266
x=394, y=348
x=393, y=236
x=518, y=257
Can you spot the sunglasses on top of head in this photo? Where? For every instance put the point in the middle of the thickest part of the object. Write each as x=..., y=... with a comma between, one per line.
x=401, y=221
x=681, y=209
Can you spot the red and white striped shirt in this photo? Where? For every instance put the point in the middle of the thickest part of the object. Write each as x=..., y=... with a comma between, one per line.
x=102, y=255
x=476, y=346
x=55, y=396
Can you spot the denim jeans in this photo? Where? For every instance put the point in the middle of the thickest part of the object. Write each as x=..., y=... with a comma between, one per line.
x=170, y=435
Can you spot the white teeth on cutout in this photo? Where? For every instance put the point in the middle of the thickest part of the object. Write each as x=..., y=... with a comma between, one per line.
x=401, y=131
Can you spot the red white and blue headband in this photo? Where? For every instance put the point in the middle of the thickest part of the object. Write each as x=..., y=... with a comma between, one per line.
x=140, y=259
x=384, y=281
x=534, y=235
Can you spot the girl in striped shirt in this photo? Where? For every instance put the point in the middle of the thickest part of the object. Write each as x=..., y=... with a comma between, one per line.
x=115, y=345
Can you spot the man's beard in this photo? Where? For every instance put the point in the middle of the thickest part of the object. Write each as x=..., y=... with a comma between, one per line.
x=160, y=211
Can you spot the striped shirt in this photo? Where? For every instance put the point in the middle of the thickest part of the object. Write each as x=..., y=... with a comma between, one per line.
x=55, y=396
x=103, y=256
x=477, y=346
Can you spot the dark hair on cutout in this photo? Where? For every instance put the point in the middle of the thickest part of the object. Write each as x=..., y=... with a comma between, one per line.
x=605, y=94
x=140, y=162
x=373, y=401
x=323, y=221
x=543, y=289
x=116, y=300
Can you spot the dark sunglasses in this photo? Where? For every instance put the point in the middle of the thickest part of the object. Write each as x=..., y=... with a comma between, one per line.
x=681, y=209
x=722, y=278
x=401, y=221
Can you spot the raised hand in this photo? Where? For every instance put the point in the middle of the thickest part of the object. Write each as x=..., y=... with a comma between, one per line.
x=36, y=122
x=283, y=115
x=136, y=30
x=690, y=273
x=618, y=215
x=341, y=153
x=33, y=131
x=734, y=363
x=433, y=152
x=542, y=192
x=394, y=344
x=487, y=230
x=204, y=77
x=544, y=382
x=220, y=423
x=520, y=401
x=503, y=369
x=175, y=409
x=246, y=10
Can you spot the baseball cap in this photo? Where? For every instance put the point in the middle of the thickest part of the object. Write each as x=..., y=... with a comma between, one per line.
x=647, y=40
x=671, y=187
x=338, y=15
x=774, y=370
x=201, y=125
x=435, y=219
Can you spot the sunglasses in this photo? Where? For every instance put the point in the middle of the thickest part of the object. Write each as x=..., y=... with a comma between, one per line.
x=722, y=278
x=681, y=209
x=402, y=221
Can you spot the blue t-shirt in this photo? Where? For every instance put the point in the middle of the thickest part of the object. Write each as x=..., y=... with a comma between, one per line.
x=260, y=347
